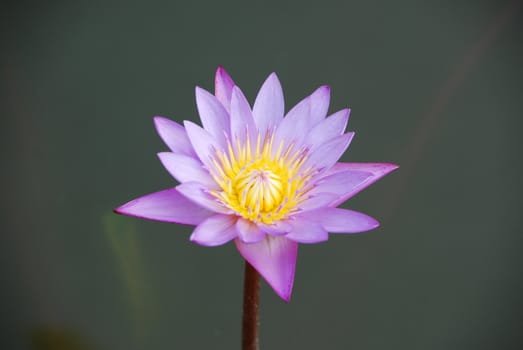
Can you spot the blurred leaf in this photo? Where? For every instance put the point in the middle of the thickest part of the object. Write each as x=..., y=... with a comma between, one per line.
x=58, y=339
x=124, y=241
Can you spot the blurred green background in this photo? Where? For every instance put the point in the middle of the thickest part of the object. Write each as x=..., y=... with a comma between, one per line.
x=435, y=86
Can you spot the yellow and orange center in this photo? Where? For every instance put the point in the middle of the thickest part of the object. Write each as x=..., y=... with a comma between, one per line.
x=260, y=182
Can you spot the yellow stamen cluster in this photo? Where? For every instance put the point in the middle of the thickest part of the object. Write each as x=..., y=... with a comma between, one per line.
x=260, y=182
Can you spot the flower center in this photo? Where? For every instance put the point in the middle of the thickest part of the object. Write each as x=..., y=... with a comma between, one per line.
x=259, y=187
x=260, y=182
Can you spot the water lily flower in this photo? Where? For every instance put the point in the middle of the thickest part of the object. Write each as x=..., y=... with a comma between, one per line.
x=266, y=180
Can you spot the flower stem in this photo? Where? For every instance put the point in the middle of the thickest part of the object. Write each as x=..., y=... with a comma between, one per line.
x=251, y=302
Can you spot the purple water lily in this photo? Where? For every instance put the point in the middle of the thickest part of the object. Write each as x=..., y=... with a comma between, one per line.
x=265, y=180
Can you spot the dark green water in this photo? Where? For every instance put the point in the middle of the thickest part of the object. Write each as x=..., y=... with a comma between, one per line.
x=434, y=86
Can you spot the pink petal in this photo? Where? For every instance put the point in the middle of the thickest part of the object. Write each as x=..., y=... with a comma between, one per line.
x=377, y=171
x=197, y=193
x=184, y=168
x=337, y=220
x=277, y=228
x=269, y=105
x=296, y=124
x=223, y=85
x=345, y=184
x=174, y=136
x=168, y=206
x=327, y=129
x=326, y=155
x=302, y=117
x=213, y=115
x=249, y=232
x=275, y=259
x=306, y=231
x=317, y=200
x=203, y=143
x=215, y=230
x=320, y=100
x=242, y=121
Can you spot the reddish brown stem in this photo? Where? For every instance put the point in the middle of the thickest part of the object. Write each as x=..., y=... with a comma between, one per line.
x=251, y=302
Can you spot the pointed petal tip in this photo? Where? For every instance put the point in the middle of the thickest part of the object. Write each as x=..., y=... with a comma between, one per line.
x=275, y=260
x=118, y=211
x=159, y=121
x=193, y=239
x=284, y=292
x=221, y=72
x=199, y=91
x=346, y=115
x=285, y=296
x=374, y=224
x=162, y=155
x=273, y=79
x=223, y=76
x=202, y=93
x=126, y=209
x=122, y=209
x=350, y=136
x=158, y=118
x=388, y=168
x=223, y=85
x=269, y=105
x=188, y=124
x=392, y=166
x=345, y=112
x=367, y=225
